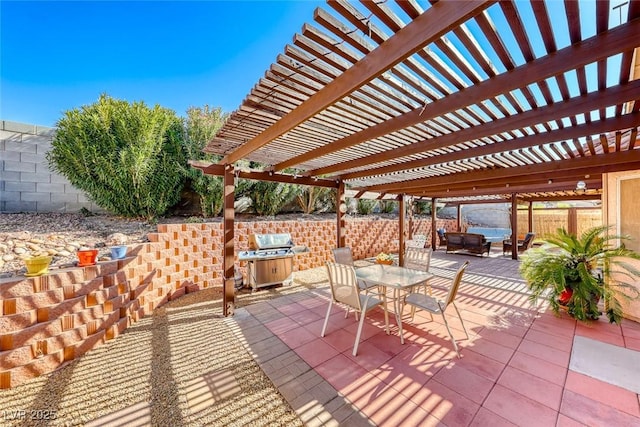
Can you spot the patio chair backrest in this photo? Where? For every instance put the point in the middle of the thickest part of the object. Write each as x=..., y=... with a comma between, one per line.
x=418, y=241
x=442, y=236
x=343, y=284
x=457, y=279
x=343, y=256
x=528, y=240
x=417, y=258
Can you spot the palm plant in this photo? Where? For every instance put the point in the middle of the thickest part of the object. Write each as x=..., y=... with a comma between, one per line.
x=578, y=273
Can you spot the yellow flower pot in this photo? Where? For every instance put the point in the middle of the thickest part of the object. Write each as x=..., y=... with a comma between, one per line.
x=37, y=266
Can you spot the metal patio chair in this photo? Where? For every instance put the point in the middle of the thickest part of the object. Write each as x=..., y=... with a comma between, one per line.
x=345, y=291
x=438, y=306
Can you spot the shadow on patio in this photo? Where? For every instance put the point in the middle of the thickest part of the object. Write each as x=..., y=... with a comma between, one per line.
x=187, y=365
x=519, y=367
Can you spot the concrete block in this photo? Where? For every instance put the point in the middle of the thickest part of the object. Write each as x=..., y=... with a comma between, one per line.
x=12, y=136
x=10, y=155
x=18, y=127
x=36, y=140
x=43, y=148
x=20, y=147
x=27, y=196
x=9, y=176
x=20, y=186
x=13, y=166
x=32, y=158
x=45, y=187
x=34, y=177
x=44, y=168
x=59, y=179
x=19, y=206
x=45, y=131
x=65, y=198
x=51, y=207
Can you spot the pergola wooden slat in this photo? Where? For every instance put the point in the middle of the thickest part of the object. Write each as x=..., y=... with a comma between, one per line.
x=462, y=101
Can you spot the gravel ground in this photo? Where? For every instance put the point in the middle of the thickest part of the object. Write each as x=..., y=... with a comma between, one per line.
x=61, y=235
x=156, y=358
x=154, y=361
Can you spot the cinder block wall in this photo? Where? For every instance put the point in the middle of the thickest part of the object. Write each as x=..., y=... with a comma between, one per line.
x=26, y=183
x=48, y=320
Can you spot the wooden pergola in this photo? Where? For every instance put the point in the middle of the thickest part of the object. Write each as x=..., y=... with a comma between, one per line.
x=445, y=100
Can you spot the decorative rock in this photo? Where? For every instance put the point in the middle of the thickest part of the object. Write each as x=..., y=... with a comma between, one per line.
x=36, y=241
x=64, y=253
x=71, y=248
x=52, y=251
x=116, y=239
x=18, y=250
x=8, y=257
x=33, y=247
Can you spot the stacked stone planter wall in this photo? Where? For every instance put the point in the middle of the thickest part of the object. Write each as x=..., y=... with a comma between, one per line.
x=48, y=320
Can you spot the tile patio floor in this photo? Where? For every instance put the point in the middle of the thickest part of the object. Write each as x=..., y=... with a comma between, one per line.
x=514, y=368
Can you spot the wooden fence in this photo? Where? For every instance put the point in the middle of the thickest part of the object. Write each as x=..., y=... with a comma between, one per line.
x=546, y=221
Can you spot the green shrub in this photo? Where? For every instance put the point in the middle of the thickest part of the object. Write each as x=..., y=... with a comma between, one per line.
x=365, y=206
x=422, y=207
x=268, y=198
x=126, y=157
x=201, y=125
x=387, y=206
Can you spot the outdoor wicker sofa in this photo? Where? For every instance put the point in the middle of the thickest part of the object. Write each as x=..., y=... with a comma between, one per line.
x=469, y=242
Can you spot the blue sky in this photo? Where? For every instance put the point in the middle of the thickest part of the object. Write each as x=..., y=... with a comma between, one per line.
x=56, y=56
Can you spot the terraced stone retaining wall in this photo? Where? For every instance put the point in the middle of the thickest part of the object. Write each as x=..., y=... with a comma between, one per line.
x=48, y=320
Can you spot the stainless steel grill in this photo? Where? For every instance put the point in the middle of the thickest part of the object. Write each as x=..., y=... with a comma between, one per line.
x=270, y=259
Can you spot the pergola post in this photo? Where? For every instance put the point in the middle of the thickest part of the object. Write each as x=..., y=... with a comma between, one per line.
x=433, y=224
x=459, y=219
x=341, y=211
x=530, y=217
x=402, y=225
x=228, y=259
x=514, y=226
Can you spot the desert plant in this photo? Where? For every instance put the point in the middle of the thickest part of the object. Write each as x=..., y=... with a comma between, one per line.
x=268, y=198
x=387, y=206
x=311, y=199
x=577, y=272
x=422, y=207
x=201, y=125
x=126, y=157
x=366, y=206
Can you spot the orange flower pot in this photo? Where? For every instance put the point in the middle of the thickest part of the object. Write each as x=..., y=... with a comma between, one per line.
x=384, y=261
x=87, y=257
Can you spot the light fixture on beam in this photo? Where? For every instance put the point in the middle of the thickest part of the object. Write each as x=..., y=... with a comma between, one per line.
x=550, y=181
x=581, y=186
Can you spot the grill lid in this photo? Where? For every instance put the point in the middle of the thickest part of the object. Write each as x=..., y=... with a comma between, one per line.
x=270, y=241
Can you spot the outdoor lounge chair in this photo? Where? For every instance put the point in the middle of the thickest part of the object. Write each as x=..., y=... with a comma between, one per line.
x=437, y=306
x=523, y=244
x=345, y=291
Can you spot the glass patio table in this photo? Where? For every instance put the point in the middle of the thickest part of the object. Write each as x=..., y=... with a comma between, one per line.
x=395, y=278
